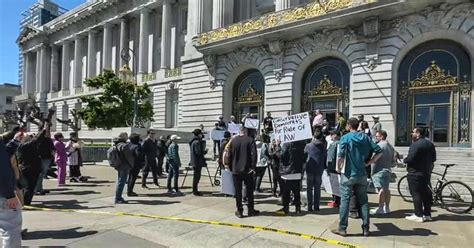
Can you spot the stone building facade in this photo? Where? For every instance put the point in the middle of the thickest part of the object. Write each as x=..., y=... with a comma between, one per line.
x=409, y=62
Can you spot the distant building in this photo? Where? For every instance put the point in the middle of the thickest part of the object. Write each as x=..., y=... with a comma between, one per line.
x=7, y=101
x=37, y=15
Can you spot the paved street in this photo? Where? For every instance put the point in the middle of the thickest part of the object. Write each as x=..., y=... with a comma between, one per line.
x=93, y=230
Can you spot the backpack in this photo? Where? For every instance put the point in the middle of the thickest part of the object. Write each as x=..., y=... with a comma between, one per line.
x=114, y=156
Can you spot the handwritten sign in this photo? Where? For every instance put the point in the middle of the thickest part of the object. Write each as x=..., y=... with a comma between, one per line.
x=292, y=128
x=233, y=128
x=217, y=134
x=251, y=123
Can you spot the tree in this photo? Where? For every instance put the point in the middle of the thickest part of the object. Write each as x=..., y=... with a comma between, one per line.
x=114, y=107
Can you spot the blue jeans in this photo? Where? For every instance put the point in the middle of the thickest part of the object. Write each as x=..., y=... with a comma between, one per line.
x=10, y=225
x=44, y=170
x=313, y=189
x=173, y=174
x=121, y=181
x=358, y=186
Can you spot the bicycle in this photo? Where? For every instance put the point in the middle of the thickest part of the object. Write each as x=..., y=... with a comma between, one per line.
x=454, y=196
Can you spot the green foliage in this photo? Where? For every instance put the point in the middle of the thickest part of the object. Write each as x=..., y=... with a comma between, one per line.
x=114, y=107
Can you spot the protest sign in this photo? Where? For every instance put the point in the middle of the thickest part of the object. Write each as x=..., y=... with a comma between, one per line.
x=205, y=135
x=292, y=128
x=330, y=183
x=251, y=123
x=227, y=186
x=233, y=128
x=217, y=134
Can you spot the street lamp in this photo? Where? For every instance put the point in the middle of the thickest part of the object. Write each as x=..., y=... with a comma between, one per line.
x=128, y=75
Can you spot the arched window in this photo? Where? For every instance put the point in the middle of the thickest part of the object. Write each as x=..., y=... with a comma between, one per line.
x=434, y=88
x=326, y=87
x=249, y=94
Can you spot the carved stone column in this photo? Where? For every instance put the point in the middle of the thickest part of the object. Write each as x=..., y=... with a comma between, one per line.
x=91, y=53
x=143, y=43
x=107, y=47
x=222, y=13
x=78, y=43
x=123, y=39
x=54, y=68
x=65, y=67
x=166, y=34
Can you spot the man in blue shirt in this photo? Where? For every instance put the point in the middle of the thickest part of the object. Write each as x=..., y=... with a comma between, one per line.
x=354, y=148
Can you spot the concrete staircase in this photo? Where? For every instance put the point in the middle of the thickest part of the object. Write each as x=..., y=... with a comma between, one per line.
x=462, y=157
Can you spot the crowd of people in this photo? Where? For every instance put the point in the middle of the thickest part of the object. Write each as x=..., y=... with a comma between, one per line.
x=350, y=149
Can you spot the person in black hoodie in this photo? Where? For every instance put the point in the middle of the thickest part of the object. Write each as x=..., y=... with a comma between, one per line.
x=242, y=155
x=30, y=163
x=45, y=152
x=151, y=153
x=315, y=164
x=292, y=158
x=138, y=162
x=162, y=151
x=197, y=158
x=10, y=207
x=420, y=159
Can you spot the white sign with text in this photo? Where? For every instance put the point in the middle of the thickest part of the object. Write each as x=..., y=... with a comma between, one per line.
x=292, y=128
x=251, y=123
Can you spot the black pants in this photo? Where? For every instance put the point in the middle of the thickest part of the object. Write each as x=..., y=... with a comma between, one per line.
x=31, y=177
x=421, y=194
x=276, y=179
x=259, y=173
x=75, y=171
x=160, y=165
x=150, y=165
x=132, y=178
x=248, y=180
x=196, y=177
x=288, y=186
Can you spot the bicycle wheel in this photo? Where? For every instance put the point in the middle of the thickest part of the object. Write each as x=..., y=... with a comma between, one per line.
x=456, y=197
x=404, y=190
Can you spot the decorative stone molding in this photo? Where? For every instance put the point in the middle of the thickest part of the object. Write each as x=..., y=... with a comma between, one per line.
x=276, y=49
x=275, y=19
x=372, y=61
x=322, y=39
x=210, y=61
x=431, y=18
x=371, y=36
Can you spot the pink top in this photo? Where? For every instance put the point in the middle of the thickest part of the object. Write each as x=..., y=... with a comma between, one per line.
x=318, y=120
x=60, y=156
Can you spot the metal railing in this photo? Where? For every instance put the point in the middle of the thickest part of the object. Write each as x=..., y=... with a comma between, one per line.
x=174, y=72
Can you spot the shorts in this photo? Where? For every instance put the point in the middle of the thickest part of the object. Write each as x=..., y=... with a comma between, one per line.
x=381, y=179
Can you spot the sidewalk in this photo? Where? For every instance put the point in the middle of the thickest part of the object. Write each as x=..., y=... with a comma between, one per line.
x=92, y=230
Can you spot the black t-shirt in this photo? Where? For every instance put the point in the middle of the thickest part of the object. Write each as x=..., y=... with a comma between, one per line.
x=244, y=154
x=268, y=123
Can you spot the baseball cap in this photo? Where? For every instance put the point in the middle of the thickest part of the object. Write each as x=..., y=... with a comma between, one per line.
x=175, y=137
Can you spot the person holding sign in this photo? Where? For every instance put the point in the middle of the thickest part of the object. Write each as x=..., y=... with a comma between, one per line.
x=292, y=158
x=217, y=135
x=241, y=159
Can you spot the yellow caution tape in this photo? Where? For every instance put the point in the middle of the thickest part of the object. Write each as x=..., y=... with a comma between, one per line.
x=216, y=223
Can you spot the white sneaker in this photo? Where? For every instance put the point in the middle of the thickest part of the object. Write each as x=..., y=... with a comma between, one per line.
x=378, y=210
x=386, y=209
x=415, y=218
x=427, y=218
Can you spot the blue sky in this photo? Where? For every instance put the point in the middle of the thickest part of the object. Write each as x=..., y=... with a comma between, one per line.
x=9, y=29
